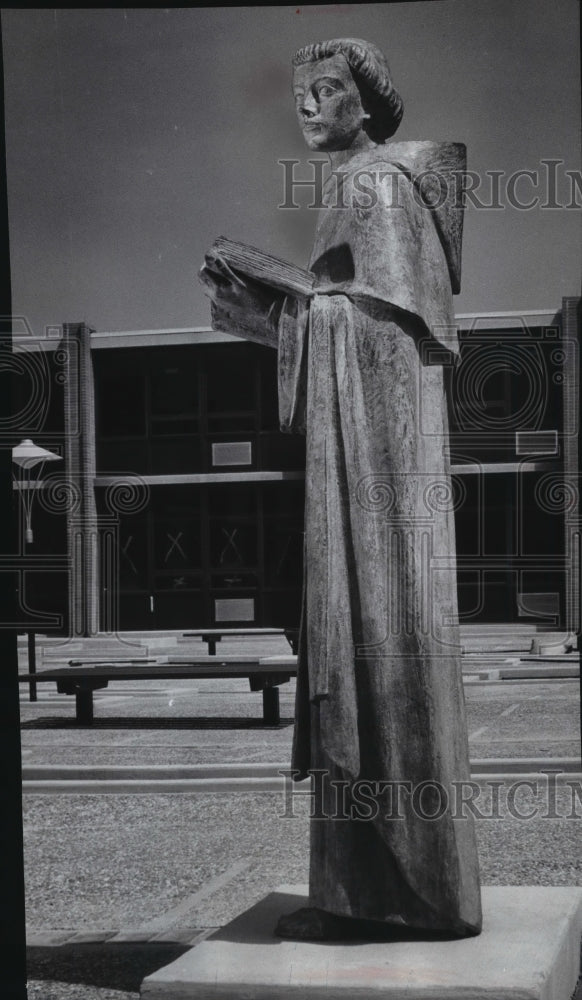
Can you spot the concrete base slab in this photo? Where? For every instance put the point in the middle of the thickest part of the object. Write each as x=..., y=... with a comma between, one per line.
x=529, y=950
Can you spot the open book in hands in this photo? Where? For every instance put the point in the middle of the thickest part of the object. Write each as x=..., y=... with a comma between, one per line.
x=249, y=262
x=262, y=281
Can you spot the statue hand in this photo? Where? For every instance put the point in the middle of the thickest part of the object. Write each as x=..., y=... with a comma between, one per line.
x=227, y=290
x=242, y=307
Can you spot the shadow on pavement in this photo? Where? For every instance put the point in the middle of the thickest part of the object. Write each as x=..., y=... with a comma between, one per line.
x=120, y=966
x=154, y=722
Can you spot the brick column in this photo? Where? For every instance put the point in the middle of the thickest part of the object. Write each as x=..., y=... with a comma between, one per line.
x=82, y=528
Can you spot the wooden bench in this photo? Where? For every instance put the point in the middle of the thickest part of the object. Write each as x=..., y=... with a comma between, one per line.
x=82, y=678
x=213, y=635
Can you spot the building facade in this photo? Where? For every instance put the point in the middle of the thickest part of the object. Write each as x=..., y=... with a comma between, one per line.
x=181, y=503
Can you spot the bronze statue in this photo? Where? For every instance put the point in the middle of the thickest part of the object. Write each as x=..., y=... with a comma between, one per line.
x=380, y=714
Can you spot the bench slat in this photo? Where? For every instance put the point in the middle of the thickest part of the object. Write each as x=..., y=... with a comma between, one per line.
x=156, y=673
x=233, y=631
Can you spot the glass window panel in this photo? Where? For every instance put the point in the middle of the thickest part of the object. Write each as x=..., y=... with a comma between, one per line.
x=175, y=455
x=180, y=501
x=232, y=500
x=495, y=596
x=283, y=553
x=177, y=582
x=282, y=451
x=283, y=609
x=49, y=528
x=179, y=610
x=234, y=580
x=122, y=456
x=544, y=605
x=503, y=383
x=543, y=503
x=231, y=382
x=162, y=427
x=232, y=545
x=280, y=499
x=134, y=612
x=133, y=554
x=43, y=592
x=470, y=595
x=541, y=598
x=233, y=424
x=174, y=390
x=500, y=515
x=120, y=405
x=177, y=543
x=469, y=514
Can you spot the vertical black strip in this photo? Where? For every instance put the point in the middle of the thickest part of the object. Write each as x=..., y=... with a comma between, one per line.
x=260, y=617
x=153, y=513
x=572, y=450
x=12, y=923
x=208, y=612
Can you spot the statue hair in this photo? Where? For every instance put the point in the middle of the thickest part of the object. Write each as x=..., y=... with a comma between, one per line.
x=371, y=74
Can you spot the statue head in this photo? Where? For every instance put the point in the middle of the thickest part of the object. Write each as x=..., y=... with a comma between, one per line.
x=343, y=88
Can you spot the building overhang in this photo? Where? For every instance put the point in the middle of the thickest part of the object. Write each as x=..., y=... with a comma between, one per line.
x=197, y=335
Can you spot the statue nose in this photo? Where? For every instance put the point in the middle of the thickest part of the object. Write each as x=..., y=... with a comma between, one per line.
x=309, y=106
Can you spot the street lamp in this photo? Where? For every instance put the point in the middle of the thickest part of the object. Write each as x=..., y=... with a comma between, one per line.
x=28, y=455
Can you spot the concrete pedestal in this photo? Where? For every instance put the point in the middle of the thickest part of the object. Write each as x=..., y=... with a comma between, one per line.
x=529, y=950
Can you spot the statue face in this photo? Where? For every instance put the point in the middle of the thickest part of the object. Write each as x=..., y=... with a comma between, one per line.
x=328, y=103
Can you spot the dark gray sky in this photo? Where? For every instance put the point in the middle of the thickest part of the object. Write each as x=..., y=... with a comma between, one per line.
x=135, y=137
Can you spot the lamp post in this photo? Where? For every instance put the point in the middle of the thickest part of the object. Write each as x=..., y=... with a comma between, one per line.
x=27, y=456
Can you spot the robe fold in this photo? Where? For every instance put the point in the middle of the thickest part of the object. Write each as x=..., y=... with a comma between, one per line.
x=379, y=690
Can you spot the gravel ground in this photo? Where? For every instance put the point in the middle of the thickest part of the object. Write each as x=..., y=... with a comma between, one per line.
x=174, y=865
x=188, y=862
x=195, y=724
x=135, y=858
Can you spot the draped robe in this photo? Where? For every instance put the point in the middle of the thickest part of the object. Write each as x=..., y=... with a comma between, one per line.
x=379, y=689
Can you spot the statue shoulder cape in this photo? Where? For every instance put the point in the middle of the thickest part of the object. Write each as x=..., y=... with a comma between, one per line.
x=438, y=172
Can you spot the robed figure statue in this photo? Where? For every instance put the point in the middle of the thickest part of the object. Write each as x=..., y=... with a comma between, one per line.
x=380, y=713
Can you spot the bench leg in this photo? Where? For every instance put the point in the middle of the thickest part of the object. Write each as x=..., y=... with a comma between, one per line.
x=84, y=705
x=271, y=712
